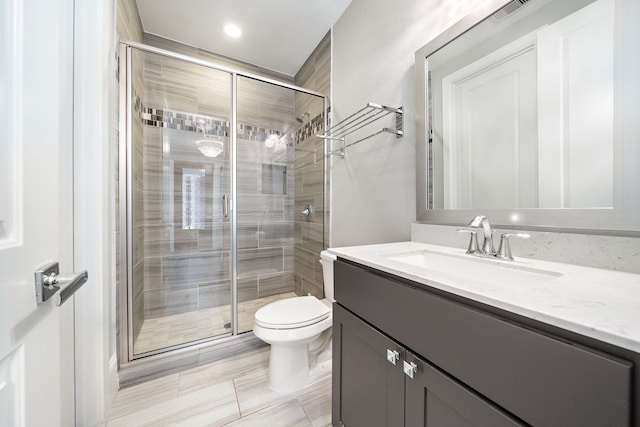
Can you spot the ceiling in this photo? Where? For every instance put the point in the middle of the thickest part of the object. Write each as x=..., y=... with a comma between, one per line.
x=276, y=34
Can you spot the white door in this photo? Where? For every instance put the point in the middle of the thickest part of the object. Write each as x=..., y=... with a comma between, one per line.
x=36, y=221
x=576, y=109
x=489, y=131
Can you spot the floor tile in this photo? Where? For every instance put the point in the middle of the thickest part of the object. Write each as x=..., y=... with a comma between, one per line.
x=254, y=393
x=132, y=399
x=223, y=370
x=228, y=392
x=288, y=414
x=213, y=405
x=316, y=402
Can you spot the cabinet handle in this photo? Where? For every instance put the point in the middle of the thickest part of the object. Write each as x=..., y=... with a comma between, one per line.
x=409, y=368
x=393, y=356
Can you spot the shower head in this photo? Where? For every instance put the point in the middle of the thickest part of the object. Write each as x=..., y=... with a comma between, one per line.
x=300, y=118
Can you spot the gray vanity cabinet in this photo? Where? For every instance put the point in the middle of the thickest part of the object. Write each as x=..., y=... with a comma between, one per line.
x=371, y=386
x=434, y=399
x=472, y=365
x=373, y=389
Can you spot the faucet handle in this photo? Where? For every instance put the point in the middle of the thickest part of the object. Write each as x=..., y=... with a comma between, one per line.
x=504, y=250
x=473, y=241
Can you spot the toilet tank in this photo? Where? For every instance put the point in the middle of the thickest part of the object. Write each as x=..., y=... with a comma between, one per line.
x=326, y=259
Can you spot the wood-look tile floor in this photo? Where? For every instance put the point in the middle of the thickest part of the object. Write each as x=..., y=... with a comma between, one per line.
x=231, y=392
x=175, y=329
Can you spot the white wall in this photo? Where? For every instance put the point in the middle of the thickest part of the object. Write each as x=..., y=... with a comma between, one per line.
x=94, y=68
x=373, y=188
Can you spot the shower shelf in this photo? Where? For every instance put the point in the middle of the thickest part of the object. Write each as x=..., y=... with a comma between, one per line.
x=358, y=120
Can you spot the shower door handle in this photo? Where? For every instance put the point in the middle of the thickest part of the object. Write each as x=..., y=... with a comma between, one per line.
x=225, y=205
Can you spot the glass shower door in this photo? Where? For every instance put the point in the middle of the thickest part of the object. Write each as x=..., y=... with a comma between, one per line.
x=179, y=187
x=265, y=179
x=277, y=176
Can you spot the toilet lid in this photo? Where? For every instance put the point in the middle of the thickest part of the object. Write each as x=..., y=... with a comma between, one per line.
x=292, y=313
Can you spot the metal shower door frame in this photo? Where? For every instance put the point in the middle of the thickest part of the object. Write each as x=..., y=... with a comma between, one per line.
x=125, y=217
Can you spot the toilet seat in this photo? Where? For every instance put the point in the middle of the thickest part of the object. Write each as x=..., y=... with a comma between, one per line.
x=292, y=313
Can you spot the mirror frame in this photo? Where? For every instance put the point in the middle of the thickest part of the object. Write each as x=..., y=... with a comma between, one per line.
x=623, y=219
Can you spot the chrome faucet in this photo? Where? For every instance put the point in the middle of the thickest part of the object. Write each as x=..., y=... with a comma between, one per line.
x=503, y=252
x=487, y=244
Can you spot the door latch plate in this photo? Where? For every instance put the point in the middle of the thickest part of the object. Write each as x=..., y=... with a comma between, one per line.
x=45, y=281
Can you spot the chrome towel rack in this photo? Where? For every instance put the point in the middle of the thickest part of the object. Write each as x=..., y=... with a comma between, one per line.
x=358, y=120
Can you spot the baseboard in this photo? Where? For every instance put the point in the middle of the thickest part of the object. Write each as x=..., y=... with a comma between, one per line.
x=113, y=384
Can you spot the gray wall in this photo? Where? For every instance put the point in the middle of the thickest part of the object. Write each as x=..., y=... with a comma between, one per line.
x=374, y=42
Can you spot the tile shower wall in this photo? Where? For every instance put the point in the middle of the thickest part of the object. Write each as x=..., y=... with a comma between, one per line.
x=186, y=270
x=263, y=241
x=301, y=268
x=138, y=201
x=173, y=46
x=310, y=239
x=128, y=25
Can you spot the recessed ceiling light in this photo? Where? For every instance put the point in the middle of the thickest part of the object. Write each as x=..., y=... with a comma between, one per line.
x=232, y=30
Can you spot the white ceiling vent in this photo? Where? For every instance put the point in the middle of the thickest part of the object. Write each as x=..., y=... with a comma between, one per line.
x=507, y=10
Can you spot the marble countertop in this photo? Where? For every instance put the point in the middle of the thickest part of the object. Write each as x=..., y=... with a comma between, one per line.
x=597, y=303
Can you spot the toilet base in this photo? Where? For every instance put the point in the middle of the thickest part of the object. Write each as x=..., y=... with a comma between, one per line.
x=289, y=367
x=289, y=356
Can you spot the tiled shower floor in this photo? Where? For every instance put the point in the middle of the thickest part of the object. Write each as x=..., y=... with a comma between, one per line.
x=161, y=332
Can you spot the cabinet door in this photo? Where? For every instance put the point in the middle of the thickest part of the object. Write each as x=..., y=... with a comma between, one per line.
x=435, y=399
x=368, y=388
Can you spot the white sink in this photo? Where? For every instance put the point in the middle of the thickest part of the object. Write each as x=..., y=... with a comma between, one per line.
x=470, y=268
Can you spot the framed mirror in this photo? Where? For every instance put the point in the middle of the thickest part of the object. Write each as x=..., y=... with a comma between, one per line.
x=527, y=113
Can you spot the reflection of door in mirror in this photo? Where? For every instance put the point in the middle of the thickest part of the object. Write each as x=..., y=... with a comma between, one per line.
x=575, y=109
x=531, y=124
x=489, y=116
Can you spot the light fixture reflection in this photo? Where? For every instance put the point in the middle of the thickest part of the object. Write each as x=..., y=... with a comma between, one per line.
x=271, y=141
x=210, y=147
x=232, y=30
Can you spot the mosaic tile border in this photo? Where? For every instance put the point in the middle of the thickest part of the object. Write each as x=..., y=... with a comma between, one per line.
x=184, y=121
x=199, y=123
x=310, y=129
x=191, y=122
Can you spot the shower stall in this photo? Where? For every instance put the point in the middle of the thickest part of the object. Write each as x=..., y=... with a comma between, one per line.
x=222, y=195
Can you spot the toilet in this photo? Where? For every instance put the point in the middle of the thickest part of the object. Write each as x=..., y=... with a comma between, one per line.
x=289, y=326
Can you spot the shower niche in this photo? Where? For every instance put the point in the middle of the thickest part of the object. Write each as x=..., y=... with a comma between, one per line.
x=274, y=179
x=212, y=168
